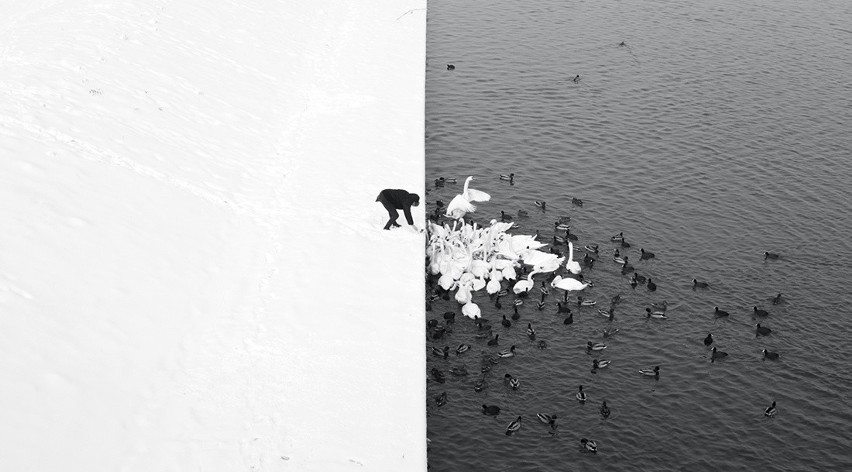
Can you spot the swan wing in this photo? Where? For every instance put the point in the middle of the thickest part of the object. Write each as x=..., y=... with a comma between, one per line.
x=475, y=195
x=459, y=205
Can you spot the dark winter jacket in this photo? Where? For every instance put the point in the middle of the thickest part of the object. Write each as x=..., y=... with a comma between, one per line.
x=401, y=200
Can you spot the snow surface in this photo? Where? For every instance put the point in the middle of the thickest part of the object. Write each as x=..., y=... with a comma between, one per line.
x=193, y=274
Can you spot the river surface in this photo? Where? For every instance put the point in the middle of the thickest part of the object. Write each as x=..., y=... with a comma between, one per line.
x=716, y=131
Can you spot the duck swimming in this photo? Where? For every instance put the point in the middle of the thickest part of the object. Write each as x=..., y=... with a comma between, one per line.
x=770, y=255
x=509, y=177
x=599, y=364
x=581, y=395
x=720, y=313
x=493, y=341
x=771, y=411
x=506, y=323
x=595, y=346
x=490, y=410
x=777, y=300
x=717, y=355
x=656, y=314
x=441, y=352
x=651, y=285
x=646, y=255
x=708, y=340
x=618, y=237
x=541, y=204
x=576, y=201
x=441, y=399
x=589, y=445
x=605, y=410
x=508, y=352
x=547, y=419
x=772, y=356
x=462, y=348
x=759, y=312
x=530, y=331
x=761, y=330
x=655, y=372
x=697, y=284
x=513, y=426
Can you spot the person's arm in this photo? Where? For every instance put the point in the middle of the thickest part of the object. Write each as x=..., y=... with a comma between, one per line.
x=407, y=211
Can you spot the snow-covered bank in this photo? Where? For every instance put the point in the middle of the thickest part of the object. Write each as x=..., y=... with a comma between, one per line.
x=193, y=275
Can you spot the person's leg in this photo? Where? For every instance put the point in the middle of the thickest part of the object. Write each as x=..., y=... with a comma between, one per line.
x=392, y=213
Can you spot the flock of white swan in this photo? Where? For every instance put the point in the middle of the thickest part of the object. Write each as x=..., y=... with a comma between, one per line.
x=469, y=258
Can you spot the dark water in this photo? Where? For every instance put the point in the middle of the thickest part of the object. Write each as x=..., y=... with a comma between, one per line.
x=718, y=131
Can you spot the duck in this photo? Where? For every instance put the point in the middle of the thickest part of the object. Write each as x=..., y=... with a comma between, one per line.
x=708, y=340
x=513, y=426
x=547, y=419
x=581, y=301
x=576, y=79
x=697, y=284
x=451, y=67
x=506, y=323
x=544, y=290
x=759, y=312
x=608, y=314
x=540, y=305
x=599, y=364
x=761, y=330
x=777, y=300
x=523, y=213
x=717, y=355
x=558, y=240
x=626, y=267
x=561, y=226
x=618, y=259
x=604, y=410
x=515, y=315
x=569, y=236
x=610, y=332
x=568, y=319
x=591, y=248
x=646, y=255
x=462, y=348
x=441, y=399
x=576, y=201
x=589, y=445
x=504, y=217
x=595, y=346
x=772, y=356
x=530, y=331
x=618, y=237
x=497, y=303
x=633, y=283
x=514, y=382
x=441, y=352
x=771, y=411
x=508, y=352
x=493, y=341
x=640, y=279
x=720, y=313
x=509, y=177
x=562, y=309
x=770, y=255
x=588, y=260
x=651, y=285
x=490, y=410
x=541, y=204
x=624, y=243
x=438, y=375
x=655, y=372
x=656, y=314
x=479, y=385
x=581, y=395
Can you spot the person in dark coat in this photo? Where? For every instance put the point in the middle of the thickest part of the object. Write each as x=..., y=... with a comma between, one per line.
x=397, y=199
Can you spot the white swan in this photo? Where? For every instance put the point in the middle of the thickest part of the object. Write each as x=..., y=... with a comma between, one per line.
x=471, y=310
x=570, y=264
x=524, y=285
x=461, y=204
x=568, y=284
x=463, y=294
